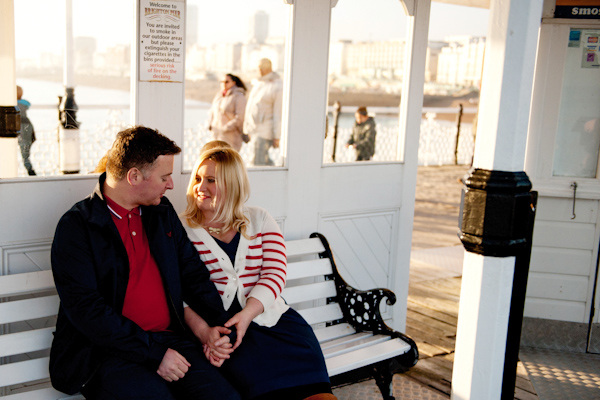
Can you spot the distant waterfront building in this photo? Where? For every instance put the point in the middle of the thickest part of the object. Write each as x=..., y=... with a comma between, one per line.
x=259, y=27
x=432, y=60
x=460, y=62
x=224, y=58
x=115, y=61
x=85, y=47
x=191, y=28
x=371, y=60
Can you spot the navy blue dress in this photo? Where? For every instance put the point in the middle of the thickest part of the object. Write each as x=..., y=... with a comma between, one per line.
x=281, y=362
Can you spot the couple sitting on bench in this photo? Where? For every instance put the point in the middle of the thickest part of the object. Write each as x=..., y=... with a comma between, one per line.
x=148, y=314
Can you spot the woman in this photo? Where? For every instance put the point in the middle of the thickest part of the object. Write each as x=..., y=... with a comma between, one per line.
x=226, y=115
x=275, y=355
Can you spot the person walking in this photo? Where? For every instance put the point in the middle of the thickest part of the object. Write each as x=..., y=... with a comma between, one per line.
x=363, y=135
x=226, y=115
x=27, y=136
x=263, y=113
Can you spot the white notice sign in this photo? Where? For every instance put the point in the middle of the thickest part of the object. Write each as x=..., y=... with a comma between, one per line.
x=161, y=40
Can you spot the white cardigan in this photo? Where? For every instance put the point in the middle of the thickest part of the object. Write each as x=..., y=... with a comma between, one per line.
x=260, y=265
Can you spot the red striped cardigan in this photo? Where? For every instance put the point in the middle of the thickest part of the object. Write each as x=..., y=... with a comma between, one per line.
x=260, y=265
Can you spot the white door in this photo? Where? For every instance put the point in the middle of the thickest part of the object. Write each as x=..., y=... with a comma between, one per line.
x=562, y=161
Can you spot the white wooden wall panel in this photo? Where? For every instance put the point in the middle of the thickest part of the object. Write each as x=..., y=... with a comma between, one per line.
x=32, y=206
x=569, y=311
x=355, y=246
x=564, y=235
x=561, y=209
x=558, y=287
x=563, y=257
x=17, y=258
x=561, y=261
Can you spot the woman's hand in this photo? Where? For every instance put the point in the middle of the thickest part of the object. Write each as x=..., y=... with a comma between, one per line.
x=243, y=319
x=215, y=361
x=213, y=337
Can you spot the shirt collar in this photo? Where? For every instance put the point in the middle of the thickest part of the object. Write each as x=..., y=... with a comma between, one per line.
x=119, y=211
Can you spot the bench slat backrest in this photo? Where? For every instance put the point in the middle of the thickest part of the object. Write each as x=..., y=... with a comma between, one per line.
x=309, y=279
x=28, y=303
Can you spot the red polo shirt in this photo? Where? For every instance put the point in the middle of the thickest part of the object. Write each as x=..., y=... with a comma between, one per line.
x=145, y=299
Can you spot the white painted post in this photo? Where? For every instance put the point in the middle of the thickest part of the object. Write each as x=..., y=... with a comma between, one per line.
x=157, y=98
x=8, y=86
x=502, y=131
x=305, y=85
x=417, y=32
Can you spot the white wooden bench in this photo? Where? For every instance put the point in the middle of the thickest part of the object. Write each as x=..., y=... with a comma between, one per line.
x=356, y=342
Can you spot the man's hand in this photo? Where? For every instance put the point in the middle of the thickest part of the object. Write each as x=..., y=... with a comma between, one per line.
x=173, y=366
x=219, y=345
x=275, y=143
x=215, y=361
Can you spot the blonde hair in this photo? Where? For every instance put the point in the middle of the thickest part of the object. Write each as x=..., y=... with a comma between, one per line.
x=214, y=144
x=234, y=187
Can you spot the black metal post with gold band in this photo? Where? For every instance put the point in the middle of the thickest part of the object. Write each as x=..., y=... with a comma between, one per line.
x=496, y=220
x=10, y=121
x=68, y=133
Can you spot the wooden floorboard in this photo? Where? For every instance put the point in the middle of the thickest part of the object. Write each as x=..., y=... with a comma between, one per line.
x=432, y=316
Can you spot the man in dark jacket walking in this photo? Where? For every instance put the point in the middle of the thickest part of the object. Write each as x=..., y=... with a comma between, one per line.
x=363, y=135
x=123, y=266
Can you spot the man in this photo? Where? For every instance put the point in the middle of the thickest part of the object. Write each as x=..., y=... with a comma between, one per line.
x=263, y=112
x=363, y=135
x=123, y=266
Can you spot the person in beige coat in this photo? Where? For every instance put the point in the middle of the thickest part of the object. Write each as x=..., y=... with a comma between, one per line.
x=226, y=115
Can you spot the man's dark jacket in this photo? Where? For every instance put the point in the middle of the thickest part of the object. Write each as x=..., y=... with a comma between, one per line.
x=91, y=271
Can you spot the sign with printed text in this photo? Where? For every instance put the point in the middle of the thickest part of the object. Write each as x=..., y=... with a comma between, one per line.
x=580, y=9
x=161, y=41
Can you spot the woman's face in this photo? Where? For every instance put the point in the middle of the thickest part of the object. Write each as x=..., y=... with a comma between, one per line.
x=227, y=82
x=205, y=189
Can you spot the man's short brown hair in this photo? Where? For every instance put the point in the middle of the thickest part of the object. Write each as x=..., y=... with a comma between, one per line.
x=137, y=147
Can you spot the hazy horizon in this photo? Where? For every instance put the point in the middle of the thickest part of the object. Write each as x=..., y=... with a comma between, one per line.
x=358, y=20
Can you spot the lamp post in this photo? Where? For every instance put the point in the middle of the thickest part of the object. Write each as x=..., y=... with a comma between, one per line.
x=68, y=128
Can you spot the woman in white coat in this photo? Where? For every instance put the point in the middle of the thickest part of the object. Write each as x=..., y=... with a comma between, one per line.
x=226, y=115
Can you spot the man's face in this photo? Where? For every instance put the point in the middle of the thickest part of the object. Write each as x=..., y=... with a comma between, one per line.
x=359, y=117
x=156, y=181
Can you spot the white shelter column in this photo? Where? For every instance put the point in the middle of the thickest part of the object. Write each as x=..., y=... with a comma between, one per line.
x=305, y=108
x=411, y=109
x=9, y=113
x=496, y=195
x=157, y=79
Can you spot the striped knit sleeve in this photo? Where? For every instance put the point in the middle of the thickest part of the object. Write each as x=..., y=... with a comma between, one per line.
x=272, y=276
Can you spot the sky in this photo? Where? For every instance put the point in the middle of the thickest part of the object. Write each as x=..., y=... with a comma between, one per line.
x=39, y=24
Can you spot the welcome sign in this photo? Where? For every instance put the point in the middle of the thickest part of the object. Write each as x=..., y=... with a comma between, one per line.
x=580, y=9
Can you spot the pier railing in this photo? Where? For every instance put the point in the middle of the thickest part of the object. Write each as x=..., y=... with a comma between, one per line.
x=437, y=143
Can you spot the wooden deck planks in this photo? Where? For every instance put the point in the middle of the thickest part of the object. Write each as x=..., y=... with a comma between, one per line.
x=432, y=317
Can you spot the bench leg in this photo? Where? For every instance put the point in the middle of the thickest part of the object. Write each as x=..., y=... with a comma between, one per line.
x=383, y=377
